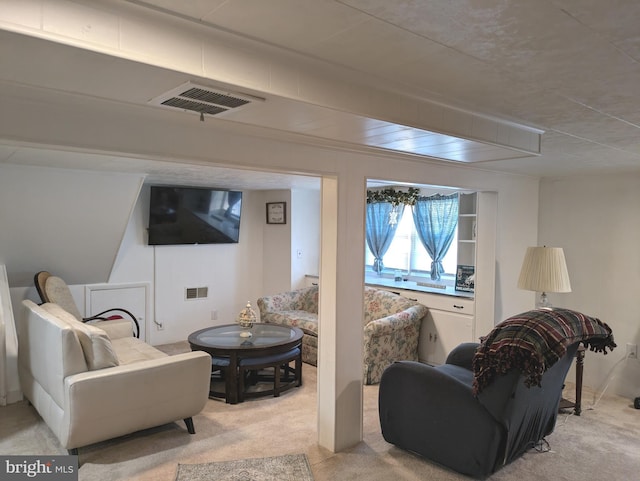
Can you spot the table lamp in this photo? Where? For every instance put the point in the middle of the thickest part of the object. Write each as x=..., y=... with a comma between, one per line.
x=544, y=269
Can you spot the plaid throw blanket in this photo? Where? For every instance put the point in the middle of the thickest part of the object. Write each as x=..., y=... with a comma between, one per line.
x=534, y=341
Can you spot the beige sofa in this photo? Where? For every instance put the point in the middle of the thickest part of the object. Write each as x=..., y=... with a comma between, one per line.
x=92, y=382
x=391, y=325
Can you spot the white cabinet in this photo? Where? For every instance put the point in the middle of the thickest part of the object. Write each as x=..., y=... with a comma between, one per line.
x=450, y=321
x=441, y=331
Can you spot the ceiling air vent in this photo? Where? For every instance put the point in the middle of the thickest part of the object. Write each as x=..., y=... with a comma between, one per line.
x=190, y=97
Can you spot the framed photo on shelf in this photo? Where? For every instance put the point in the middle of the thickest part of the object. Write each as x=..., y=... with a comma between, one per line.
x=465, y=278
x=276, y=212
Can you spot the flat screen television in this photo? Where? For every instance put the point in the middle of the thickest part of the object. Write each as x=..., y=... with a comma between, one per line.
x=193, y=215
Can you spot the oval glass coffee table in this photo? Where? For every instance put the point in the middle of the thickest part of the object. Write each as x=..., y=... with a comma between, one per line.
x=270, y=345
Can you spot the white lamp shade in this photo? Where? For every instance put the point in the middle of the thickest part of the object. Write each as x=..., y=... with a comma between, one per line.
x=544, y=269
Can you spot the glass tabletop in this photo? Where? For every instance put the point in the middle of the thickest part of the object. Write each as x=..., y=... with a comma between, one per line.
x=228, y=336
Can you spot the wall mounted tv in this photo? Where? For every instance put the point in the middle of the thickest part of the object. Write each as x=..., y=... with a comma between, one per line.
x=193, y=215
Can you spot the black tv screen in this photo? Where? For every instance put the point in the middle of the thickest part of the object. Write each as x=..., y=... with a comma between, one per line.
x=194, y=215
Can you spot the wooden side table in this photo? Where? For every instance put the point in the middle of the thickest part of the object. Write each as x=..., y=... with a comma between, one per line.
x=577, y=405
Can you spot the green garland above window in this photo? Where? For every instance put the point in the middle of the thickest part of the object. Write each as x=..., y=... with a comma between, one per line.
x=393, y=197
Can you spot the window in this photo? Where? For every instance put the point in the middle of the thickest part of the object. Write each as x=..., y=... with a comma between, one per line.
x=407, y=253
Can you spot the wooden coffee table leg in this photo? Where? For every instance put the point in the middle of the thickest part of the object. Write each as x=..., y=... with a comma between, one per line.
x=231, y=385
x=276, y=380
x=298, y=368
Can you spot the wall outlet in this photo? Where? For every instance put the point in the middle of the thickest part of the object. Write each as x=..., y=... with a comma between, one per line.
x=632, y=351
x=214, y=315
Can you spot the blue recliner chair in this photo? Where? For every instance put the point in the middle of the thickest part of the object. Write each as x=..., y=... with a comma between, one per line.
x=490, y=402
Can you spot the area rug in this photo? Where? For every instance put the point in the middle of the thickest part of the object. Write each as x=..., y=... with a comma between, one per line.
x=291, y=467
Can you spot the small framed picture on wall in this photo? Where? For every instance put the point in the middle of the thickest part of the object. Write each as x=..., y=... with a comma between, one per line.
x=276, y=212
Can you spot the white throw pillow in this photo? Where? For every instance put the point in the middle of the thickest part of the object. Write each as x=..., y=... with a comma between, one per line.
x=96, y=345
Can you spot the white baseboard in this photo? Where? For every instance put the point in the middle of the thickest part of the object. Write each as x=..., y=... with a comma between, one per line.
x=11, y=398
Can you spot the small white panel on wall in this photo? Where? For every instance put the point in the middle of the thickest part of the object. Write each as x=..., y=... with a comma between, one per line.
x=9, y=381
x=131, y=297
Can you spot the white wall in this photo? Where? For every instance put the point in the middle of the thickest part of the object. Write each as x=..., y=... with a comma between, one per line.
x=276, y=246
x=134, y=261
x=597, y=222
x=291, y=250
x=305, y=235
x=517, y=227
x=47, y=209
x=232, y=273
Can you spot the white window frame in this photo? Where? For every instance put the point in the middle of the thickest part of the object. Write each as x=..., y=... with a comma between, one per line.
x=411, y=273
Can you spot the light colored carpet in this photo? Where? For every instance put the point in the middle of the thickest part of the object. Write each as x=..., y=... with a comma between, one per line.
x=602, y=443
x=290, y=467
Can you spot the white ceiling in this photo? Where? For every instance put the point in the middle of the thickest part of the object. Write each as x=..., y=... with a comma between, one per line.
x=569, y=68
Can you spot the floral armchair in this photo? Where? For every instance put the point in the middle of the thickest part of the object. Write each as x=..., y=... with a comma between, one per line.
x=391, y=331
x=299, y=309
x=391, y=325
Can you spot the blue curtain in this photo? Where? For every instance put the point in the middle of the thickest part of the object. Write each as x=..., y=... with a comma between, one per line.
x=379, y=232
x=435, y=218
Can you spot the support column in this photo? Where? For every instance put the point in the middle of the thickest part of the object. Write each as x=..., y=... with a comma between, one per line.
x=340, y=319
